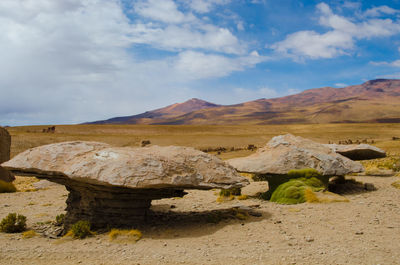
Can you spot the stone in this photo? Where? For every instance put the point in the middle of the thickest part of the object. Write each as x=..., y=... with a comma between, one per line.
x=5, y=145
x=43, y=184
x=114, y=186
x=358, y=151
x=287, y=152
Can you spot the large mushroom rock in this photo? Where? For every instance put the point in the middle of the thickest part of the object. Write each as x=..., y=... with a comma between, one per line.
x=358, y=151
x=286, y=152
x=114, y=186
x=5, y=145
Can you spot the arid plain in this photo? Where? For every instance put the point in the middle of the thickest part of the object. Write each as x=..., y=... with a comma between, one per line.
x=199, y=230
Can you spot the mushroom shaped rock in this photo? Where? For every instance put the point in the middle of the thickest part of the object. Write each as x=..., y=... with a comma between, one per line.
x=358, y=151
x=286, y=152
x=114, y=186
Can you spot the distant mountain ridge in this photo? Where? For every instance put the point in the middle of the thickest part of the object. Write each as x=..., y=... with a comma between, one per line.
x=373, y=101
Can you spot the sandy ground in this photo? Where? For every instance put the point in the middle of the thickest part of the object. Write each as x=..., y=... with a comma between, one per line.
x=365, y=230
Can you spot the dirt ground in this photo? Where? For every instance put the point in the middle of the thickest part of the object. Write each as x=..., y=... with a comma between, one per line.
x=365, y=230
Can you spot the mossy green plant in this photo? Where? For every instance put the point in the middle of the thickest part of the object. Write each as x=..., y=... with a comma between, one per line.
x=293, y=191
x=13, y=223
x=6, y=187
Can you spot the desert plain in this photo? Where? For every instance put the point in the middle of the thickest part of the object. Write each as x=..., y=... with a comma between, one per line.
x=196, y=229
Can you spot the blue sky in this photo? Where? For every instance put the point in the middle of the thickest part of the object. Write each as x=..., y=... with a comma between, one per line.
x=71, y=61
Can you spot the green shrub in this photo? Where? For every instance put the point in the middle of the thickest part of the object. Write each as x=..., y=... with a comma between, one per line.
x=80, y=229
x=13, y=223
x=60, y=219
x=293, y=191
x=7, y=187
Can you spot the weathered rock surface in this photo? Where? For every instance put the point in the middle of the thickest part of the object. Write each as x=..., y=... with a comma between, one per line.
x=5, y=145
x=114, y=186
x=358, y=151
x=286, y=152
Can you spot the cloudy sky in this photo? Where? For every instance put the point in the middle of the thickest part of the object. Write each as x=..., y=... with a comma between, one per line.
x=71, y=61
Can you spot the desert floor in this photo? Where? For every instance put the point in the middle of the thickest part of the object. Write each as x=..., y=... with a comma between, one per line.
x=198, y=230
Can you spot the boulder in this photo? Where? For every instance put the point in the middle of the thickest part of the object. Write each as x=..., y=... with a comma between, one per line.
x=286, y=152
x=5, y=145
x=358, y=151
x=114, y=186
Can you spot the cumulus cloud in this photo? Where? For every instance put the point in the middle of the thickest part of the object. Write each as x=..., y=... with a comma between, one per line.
x=72, y=61
x=204, y=6
x=340, y=39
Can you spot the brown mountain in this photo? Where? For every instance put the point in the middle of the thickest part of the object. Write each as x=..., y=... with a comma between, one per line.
x=373, y=101
x=161, y=115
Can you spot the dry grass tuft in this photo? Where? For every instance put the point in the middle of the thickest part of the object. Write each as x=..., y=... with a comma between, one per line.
x=29, y=234
x=323, y=197
x=242, y=197
x=25, y=184
x=396, y=184
x=125, y=236
x=222, y=199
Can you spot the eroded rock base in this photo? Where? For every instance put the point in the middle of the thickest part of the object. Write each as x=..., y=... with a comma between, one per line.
x=111, y=207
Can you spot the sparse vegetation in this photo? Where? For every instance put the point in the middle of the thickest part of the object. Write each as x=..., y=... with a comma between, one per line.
x=29, y=234
x=60, y=219
x=132, y=235
x=6, y=187
x=396, y=184
x=387, y=163
x=293, y=191
x=80, y=230
x=13, y=223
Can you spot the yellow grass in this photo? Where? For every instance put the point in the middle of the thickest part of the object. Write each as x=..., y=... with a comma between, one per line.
x=125, y=236
x=29, y=234
x=396, y=184
x=6, y=187
x=205, y=136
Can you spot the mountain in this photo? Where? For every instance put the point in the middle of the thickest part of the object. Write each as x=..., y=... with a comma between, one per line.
x=160, y=115
x=373, y=101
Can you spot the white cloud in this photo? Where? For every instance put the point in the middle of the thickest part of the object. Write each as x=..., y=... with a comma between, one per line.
x=339, y=40
x=341, y=85
x=175, y=38
x=395, y=63
x=162, y=10
x=204, y=6
x=380, y=10
x=75, y=60
x=196, y=65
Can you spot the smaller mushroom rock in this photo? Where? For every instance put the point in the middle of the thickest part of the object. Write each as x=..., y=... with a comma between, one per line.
x=114, y=186
x=358, y=151
x=286, y=152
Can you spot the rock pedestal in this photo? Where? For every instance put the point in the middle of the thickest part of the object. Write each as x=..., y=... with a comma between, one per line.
x=114, y=186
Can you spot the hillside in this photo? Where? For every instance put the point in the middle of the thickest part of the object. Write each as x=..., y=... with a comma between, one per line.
x=373, y=101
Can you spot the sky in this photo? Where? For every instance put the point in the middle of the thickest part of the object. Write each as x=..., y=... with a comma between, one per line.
x=72, y=61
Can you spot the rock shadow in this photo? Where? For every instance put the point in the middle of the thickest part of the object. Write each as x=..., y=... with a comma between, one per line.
x=175, y=224
x=342, y=186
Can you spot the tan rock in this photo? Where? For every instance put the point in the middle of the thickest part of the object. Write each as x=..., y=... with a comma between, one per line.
x=285, y=152
x=6, y=176
x=358, y=151
x=115, y=185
